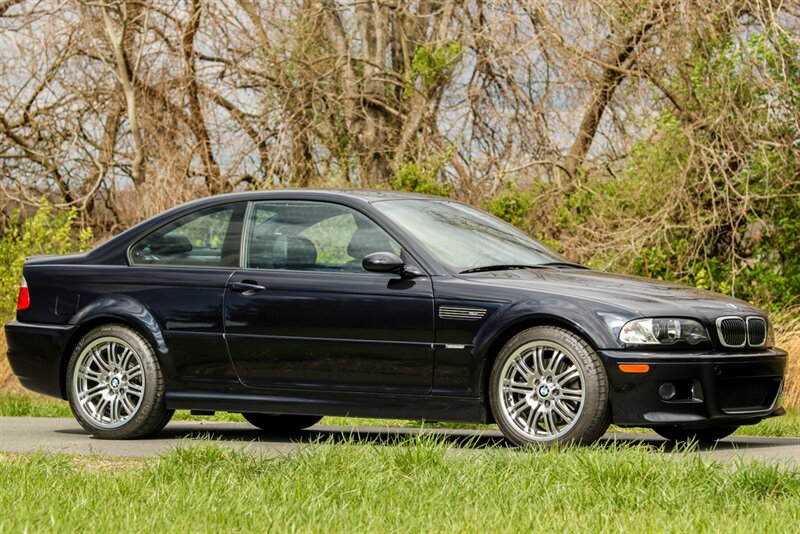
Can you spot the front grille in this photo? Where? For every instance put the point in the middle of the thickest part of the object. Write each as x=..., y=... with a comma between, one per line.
x=732, y=331
x=749, y=394
x=756, y=331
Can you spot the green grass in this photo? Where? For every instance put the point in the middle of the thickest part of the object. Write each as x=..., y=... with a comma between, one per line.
x=31, y=405
x=423, y=485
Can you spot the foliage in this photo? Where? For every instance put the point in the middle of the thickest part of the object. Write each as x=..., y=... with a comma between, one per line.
x=511, y=206
x=711, y=197
x=422, y=177
x=433, y=64
x=48, y=231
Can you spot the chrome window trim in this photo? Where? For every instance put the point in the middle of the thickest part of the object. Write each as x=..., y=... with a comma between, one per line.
x=722, y=338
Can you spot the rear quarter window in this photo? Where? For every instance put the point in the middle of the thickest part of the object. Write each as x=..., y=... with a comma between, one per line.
x=205, y=238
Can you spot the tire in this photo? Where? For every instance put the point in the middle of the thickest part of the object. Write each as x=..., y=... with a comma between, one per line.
x=702, y=436
x=281, y=424
x=115, y=386
x=548, y=387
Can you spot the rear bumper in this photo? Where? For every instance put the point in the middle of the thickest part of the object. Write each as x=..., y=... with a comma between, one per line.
x=34, y=352
x=712, y=389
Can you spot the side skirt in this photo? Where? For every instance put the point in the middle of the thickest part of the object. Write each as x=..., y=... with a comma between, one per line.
x=464, y=409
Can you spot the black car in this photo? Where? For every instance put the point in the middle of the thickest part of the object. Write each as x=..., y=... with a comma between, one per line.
x=288, y=306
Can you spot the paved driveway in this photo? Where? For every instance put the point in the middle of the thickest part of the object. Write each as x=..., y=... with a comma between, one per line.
x=28, y=434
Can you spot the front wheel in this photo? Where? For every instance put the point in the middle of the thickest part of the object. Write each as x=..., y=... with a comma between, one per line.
x=114, y=384
x=702, y=435
x=547, y=387
x=281, y=424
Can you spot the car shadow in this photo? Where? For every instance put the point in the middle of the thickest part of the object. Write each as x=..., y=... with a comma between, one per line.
x=466, y=439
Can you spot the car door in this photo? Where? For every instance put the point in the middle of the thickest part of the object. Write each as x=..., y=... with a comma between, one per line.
x=302, y=313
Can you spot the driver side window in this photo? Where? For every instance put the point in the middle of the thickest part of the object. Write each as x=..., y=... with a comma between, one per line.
x=316, y=236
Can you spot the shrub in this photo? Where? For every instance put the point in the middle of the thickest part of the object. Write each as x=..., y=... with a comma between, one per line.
x=48, y=231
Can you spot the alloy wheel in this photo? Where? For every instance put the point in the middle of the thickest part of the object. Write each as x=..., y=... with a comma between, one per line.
x=542, y=390
x=108, y=382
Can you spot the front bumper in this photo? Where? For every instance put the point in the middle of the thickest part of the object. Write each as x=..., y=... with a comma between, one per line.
x=35, y=355
x=712, y=389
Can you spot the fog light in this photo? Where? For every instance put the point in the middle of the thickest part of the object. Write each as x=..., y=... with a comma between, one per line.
x=667, y=391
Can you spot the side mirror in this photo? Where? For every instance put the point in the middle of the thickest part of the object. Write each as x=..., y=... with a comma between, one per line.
x=382, y=262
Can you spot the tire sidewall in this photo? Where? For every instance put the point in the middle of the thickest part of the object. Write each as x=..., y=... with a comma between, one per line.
x=593, y=419
x=152, y=398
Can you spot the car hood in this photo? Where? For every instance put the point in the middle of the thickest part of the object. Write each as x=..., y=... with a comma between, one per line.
x=638, y=295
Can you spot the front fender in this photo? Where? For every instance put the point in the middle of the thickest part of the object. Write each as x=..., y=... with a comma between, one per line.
x=598, y=328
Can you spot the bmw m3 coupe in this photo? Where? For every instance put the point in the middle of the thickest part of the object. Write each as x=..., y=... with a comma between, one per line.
x=287, y=306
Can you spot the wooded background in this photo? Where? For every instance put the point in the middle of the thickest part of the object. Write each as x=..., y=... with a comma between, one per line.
x=658, y=137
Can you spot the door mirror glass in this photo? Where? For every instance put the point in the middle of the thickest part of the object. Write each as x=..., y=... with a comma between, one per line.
x=382, y=262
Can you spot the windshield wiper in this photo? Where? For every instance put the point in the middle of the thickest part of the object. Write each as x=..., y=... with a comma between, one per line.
x=512, y=266
x=564, y=264
x=507, y=267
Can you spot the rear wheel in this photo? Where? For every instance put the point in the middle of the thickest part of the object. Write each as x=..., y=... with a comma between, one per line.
x=549, y=387
x=281, y=424
x=703, y=435
x=114, y=384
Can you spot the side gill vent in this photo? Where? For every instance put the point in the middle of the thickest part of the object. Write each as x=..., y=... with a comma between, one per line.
x=462, y=314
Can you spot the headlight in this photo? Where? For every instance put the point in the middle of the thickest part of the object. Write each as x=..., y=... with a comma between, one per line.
x=663, y=332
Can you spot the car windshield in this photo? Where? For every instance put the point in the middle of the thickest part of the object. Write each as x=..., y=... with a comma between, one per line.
x=466, y=239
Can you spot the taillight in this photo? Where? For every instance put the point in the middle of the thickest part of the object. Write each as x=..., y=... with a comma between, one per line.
x=24, y=300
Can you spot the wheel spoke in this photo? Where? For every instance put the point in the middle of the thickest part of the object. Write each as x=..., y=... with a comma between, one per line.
x=83, y=396
x=135, y=389
x=536, y=420
x=126, y=403
x=125, y=357
x=135, y=372
x=558, y=357
x=563, y=412
x=529, y=421
x=522, y=368
x=112, y=354
x=567, y=376
x=100, y=408
x=115, y=409
x=87, y=398
x=517, y=407
x=87, y=374
x=517, y=390
x=549, y=423
x=538, y=359
x=575, y=395
x=97, y=357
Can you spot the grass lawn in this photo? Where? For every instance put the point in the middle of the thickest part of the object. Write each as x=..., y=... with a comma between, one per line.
x=422, y=486
x=32, y=405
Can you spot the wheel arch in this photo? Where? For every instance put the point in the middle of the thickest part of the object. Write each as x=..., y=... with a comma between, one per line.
x=142, y=322
x=491, y=347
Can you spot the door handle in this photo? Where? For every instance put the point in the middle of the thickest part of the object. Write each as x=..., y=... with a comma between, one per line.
x=246, y=286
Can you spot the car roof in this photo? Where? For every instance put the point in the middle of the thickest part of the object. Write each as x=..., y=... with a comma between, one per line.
x=365, y=195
